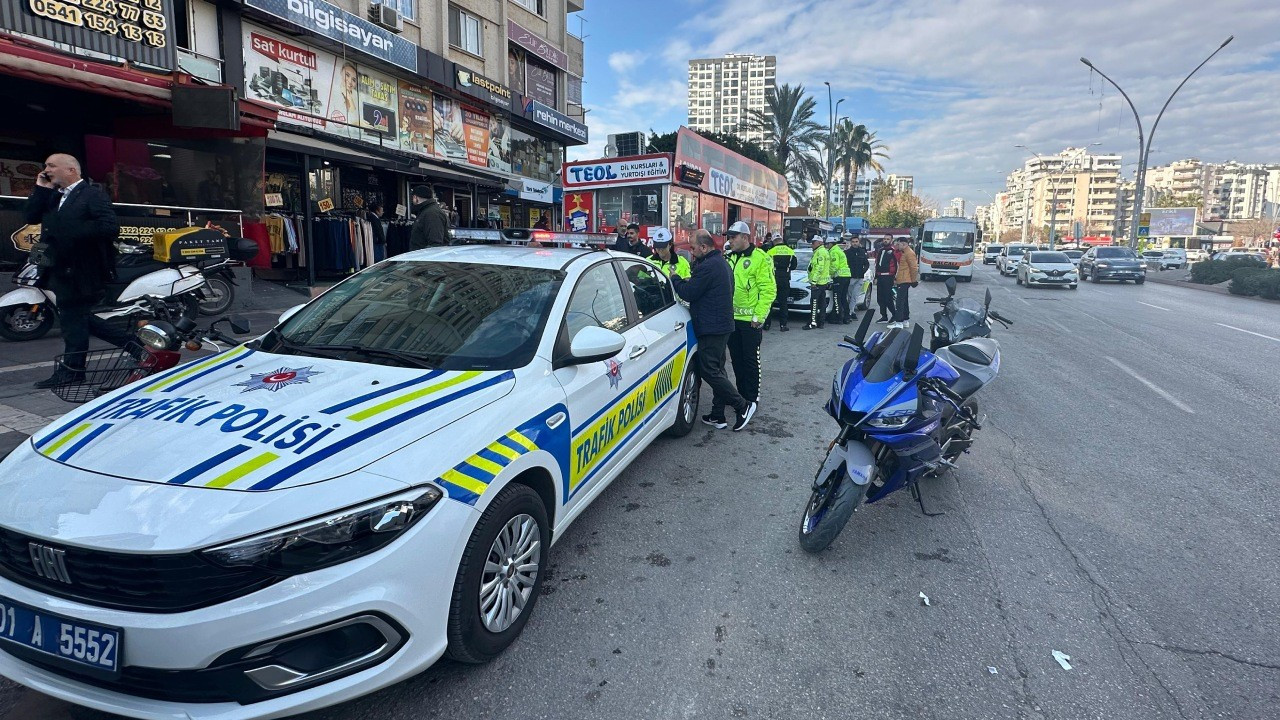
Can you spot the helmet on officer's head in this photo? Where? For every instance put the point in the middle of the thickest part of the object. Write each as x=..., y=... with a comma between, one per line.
x=661, y=237
x=739, y=228
x=847, y=236
x=816, y=239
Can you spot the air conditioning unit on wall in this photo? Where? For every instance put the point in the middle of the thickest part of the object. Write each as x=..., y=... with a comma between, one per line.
x=386, y=16
x=629, y=144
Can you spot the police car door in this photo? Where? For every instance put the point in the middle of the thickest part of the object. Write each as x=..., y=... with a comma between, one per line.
x=667, y=325
x=604, y=400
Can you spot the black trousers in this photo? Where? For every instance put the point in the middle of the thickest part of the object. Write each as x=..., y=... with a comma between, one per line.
x=884, y=295
x=840, y=308
x=818, y=305
x=780, y=302
x=902, y=312
x=744, y=352
x=711, y=369
x=74, y=321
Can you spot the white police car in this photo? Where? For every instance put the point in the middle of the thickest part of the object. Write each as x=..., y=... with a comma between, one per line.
x=331, y=508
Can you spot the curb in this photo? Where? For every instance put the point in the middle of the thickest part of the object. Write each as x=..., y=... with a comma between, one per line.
x=1219, y=289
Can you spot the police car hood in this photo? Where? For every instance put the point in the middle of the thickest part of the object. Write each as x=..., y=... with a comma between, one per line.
x=254, y=421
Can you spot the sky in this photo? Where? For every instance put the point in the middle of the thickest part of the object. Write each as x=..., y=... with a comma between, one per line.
x=951, y=86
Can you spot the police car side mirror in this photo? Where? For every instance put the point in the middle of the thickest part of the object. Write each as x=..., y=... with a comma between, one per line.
x=593, y=344
x=289, y=313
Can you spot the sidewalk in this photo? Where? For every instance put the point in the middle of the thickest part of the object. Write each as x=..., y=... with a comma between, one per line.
x=25, y=409
x=1168, y=278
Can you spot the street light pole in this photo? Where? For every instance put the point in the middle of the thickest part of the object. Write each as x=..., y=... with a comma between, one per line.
x=831, y=130
x=1144, y=147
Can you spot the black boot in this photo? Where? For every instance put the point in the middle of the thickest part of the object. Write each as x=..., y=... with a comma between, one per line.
x=61, y=376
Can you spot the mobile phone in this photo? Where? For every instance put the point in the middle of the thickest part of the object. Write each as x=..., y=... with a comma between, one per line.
x=46, y=177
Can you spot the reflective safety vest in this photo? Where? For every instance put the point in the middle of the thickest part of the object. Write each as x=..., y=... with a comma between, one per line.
x=820, y=267
x=753, y=286
x=678, y=267
x=784, y=259
x=839, y=263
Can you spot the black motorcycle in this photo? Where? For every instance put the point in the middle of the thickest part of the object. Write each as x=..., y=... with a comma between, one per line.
x=961, y=318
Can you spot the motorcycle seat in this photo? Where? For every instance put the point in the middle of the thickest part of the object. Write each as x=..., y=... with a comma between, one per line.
x=967, y=384
x=127, y=272
x=981, y=351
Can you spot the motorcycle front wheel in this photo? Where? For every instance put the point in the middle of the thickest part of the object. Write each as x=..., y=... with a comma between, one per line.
x=830, y=506
x=18, y=323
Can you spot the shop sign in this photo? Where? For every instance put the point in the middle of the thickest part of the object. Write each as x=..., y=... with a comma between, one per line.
x=138, y=30
x=536, y=191
x=415, y=120
x=577, y=211
x=548, y=117
x=537, y=45
x=337, y=24
x=540, y=83
x=722, y=183
x=639, y=170
x=476, y=128
x=482, y=88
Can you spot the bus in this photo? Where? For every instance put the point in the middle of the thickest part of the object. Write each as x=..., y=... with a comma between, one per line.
x=946, y=248
x=797, y=230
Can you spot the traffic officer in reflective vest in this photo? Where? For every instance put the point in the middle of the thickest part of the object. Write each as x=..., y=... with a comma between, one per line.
x=819, y=279
x=840, y=276
x=753, y=294
x=666, y=257
x=784, y=261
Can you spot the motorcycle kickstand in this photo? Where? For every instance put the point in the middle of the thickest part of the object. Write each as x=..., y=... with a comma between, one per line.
x=919, y=498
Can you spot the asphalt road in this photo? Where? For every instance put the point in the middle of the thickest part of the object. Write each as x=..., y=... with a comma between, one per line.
x=1120, y=506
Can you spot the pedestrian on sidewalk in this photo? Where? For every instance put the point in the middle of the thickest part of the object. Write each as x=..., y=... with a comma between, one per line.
x=907, y=277
x=630, y=242
x=885, y=262
x=374, y=216
x=431, y=221
x=79, y=229
x=753, y=293
x=709, y=292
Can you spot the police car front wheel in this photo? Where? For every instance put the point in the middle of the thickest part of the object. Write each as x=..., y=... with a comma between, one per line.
x=500, y=576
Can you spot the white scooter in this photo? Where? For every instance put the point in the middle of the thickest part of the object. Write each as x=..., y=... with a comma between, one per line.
x=28, y=312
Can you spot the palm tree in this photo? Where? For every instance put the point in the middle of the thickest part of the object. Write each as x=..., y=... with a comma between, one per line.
x=790, y=135
x=856, y=151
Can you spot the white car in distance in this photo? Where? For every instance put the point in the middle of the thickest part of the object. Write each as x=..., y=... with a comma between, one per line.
x=1047, y=267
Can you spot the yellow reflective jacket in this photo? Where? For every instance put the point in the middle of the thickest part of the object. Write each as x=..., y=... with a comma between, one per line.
x=753, y=286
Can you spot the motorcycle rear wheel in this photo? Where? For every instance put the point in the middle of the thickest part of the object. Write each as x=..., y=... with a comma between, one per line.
x=18, y=323
x=830, y=506
x=219, y=294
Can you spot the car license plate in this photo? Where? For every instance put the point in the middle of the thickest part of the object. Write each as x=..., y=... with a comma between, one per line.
x=78, y=642
x=946, y=265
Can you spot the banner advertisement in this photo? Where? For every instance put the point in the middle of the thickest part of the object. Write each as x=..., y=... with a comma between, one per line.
x=499, y=144
x=536, y=45
x=540, y=83
x=1172, y=222
x=415, y=120
x=729, y=174
x=141, y=31
x=377, y=109
x=577, y=211
x=476, y=125
x=450, y=135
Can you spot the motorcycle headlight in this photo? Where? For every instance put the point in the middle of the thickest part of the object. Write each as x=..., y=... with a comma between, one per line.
x=321, y=543
x=157, y=335
x=888, y=422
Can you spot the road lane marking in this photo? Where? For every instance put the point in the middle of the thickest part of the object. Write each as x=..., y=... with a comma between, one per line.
x=28, y=366
x=1233, y=327
x=1152, y=306
x=1060, y=326
x=1152, y=386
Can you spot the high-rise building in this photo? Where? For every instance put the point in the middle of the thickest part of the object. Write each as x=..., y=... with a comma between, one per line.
x=723, y=90
x=901, y=184
x=1237, y=191
x=1072, y=186
x=956, y=208
x=860, y=202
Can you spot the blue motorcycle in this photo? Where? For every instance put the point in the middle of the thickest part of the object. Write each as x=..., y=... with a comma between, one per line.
x=904, y=412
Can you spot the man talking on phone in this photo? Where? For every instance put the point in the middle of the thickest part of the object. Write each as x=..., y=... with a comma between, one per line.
x=79, y=228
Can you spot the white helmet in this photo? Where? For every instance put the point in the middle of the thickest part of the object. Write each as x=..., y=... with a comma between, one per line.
x=660, y=236
x=816, y=239
x=740, y=228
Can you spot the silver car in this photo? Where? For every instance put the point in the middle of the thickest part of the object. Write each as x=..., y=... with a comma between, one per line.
x=798, y=299
x=1046, y=267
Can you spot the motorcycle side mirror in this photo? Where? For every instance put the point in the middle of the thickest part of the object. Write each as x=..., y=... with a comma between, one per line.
x=239, y=324
x=912, y=360
x=988, y=302
x=860, y=337
x=951, y=286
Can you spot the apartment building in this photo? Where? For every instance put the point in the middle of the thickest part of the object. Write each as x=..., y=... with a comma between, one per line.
x=1072, y=186
x=955, y=208
x=1237, y=191
x=901, y=184
x=860, y=202
x=1180, y=179
x=723, y=90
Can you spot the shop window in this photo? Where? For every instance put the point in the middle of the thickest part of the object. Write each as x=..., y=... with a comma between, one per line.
x=597, y=301
x=621, y=206
x=221, y=173
x=408, y=8
x=466, y=31
x=650, y=288
x=684, y=215
x=537, y=7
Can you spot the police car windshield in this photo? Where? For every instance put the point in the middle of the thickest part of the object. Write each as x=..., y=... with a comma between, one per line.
x=451, y=316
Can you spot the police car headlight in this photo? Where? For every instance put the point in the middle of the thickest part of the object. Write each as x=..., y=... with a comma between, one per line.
x=328, y=541
x=888, y=422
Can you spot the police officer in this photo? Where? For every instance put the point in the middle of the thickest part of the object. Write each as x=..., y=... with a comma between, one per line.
x=753, y=294
x=819, y=280
x=784, y=261
x=666, y=257
x=840, y=276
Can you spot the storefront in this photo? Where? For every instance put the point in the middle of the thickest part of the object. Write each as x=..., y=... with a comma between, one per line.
x=168, y=152
x=701, y=186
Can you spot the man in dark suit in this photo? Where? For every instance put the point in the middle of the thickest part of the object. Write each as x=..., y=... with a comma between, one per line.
x=80, y=225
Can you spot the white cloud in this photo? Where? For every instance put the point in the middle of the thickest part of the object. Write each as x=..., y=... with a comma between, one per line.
x=624, y=62
x=965, y=81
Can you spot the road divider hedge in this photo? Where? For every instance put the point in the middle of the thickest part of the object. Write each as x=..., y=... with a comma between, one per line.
x=1259, y=282
x=1212, y=272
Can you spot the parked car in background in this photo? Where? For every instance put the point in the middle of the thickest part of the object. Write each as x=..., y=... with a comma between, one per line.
x=990, y=253
x=1009, y=258
x=1047, y=267
x=1074, y=256
x=1173, y=259
x=1239, y=253
x=1195, y=255
x=1112, y=263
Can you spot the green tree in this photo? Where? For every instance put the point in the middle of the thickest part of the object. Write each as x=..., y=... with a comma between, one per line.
x=881, y=194
x=856, y=151
x=899, y=210
x=1169, y=200
x=790, y=135
x=749, y=149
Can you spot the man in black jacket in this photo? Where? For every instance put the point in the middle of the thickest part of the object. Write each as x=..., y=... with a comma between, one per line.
x=431, y=220
x=80, y=225
x=709, y=292
x=631, y=242
x=374, y=216
x=858, y=264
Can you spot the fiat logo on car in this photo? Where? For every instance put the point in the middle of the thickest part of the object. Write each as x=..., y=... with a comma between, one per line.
x=49, y=563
